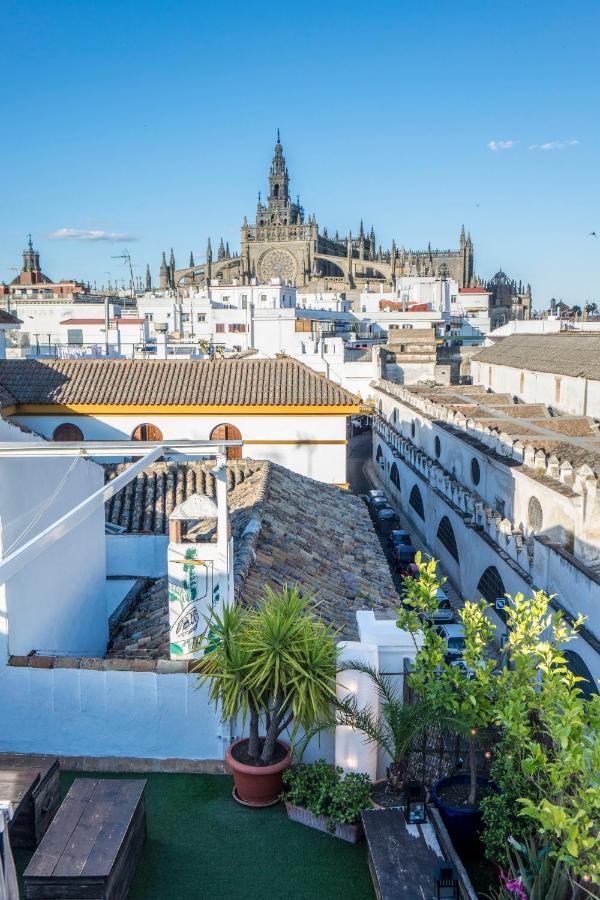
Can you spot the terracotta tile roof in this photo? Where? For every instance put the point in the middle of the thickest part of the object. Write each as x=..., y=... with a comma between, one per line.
x=7, y=318
x=334, y=551
x=563, y=354
x=145, y=382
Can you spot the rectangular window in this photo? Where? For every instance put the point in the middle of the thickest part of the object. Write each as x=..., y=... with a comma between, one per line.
x=263, y=297
x=225, y=299
x=220, y=327
x=237, y=327
x=185, y=317
x=75, y=336
x=201, y=317
x=244, y=301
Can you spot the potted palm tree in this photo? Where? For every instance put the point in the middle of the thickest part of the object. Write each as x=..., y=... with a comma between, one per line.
x=392, y=727
x=271, y=665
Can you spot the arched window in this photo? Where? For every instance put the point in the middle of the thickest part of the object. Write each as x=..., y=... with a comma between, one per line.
x=475, y=471
x=394, y=476
x=438, y=447
x=379, y=457
x=416, y=501
x=491, y=586
x=445, y=534
x=147, y=432
x=227, y=432
x=576, y=664
x=67, y=432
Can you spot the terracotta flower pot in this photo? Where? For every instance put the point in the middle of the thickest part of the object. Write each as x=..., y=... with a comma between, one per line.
x=258, y=785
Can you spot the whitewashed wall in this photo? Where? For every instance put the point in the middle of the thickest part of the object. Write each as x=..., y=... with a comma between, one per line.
x=324, y=462
x=86, y=712
x=577, y=396
x=550, y=572
x=142, y=555
x=57, y=602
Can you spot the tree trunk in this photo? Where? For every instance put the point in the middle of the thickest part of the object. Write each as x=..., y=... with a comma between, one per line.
x=473, y=772
x=253, y=740
x=277, y=715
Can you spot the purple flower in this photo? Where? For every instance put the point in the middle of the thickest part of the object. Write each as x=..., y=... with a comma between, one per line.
x=515, y=887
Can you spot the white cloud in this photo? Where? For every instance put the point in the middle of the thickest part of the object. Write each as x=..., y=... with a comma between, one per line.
x=501, y=145
x=78, y=234
x=553, y=145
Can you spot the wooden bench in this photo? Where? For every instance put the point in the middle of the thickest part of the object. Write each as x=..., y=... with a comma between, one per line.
x=402, y=858
x=33, y=790
x=92, y=847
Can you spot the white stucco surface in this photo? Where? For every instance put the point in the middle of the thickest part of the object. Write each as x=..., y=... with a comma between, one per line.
x=297, y=442
x=58, y=602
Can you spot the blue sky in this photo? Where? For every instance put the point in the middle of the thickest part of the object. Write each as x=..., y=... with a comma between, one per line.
x=157, y=121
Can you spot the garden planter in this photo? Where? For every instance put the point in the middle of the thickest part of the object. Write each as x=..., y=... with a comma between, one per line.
x=350, y=833
x=395, y=799
x=257, y=785
x=463, y=823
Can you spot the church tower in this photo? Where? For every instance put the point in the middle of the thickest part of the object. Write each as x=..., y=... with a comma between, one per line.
x=279, y=180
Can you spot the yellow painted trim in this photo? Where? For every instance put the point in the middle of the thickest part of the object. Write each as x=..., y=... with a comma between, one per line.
x=295, y=443
x=8, y=411
x=91, y=409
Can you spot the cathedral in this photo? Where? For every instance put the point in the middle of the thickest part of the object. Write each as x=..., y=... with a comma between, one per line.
x=284, y=243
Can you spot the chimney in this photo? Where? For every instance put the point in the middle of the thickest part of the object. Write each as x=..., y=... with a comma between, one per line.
x=160, y=329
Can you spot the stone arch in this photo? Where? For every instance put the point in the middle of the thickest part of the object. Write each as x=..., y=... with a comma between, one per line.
x=395, y=476
x=226, y=432
x=577, y=665
x=490, y=585
x=379, y=458
x=446, y=537
x=416, y=501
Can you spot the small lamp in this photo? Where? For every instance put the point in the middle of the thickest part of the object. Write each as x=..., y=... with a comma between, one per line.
x=414, y=803
x=445, y=883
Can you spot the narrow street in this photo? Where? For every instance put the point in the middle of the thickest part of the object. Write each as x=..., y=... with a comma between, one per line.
x=361, y=474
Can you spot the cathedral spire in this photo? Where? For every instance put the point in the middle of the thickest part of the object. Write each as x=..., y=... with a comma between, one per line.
x=192, y=259
x=148, y=279
x=163, y=275
x=221, y=250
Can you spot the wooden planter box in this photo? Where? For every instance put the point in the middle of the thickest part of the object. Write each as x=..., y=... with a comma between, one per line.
x=350, y=833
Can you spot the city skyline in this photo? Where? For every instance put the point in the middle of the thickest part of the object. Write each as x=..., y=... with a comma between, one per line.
x=475, y=116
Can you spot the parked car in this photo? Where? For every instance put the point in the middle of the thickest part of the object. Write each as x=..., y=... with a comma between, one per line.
x=404, y=557
x=397, y=537
x=454, y=636
x=375, y=493
x=445, y=613
x=385, y=519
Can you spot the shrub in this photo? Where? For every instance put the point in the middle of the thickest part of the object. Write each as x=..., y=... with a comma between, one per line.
x=323, y=790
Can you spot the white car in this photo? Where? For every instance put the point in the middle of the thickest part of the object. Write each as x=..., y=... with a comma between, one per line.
x=454, y=636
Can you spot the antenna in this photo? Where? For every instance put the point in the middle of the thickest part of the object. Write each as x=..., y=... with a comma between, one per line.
x=125, y=255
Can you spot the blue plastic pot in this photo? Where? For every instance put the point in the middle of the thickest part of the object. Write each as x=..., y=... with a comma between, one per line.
x=462, y=823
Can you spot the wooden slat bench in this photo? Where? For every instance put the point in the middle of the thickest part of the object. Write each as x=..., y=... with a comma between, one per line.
x=33, y=790
x=93, y=845
x=402, y=858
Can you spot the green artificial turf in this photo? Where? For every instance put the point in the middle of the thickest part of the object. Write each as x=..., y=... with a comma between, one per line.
x=202, y=844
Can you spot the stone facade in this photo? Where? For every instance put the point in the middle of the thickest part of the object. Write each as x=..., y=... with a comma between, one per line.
x=284, y=243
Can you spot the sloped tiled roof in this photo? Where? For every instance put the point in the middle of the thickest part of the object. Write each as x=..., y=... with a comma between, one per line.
x=333, y=551
x=7, y=318
x=563, y=354
x=155, y=382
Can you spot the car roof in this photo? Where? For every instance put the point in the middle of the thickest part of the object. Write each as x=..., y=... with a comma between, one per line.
x=453, y=629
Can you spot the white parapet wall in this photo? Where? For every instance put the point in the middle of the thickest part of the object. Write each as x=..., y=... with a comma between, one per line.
x=100, y=712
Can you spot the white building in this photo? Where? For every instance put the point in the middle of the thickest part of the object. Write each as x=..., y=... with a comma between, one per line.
x=561, y=370
x=282, y=410
x=504, y=494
